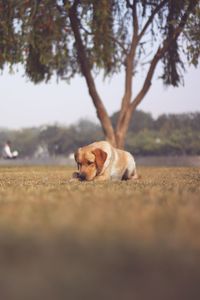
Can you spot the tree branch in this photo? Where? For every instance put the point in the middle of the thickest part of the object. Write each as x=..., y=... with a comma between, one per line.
x=135, y=18
x=121, y=45
x=128, y=4
x=131, y=55
x=147, y=82
x=149, y=21
x=129, y=68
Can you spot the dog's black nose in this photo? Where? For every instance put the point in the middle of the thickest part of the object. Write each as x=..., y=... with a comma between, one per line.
x=82, y=176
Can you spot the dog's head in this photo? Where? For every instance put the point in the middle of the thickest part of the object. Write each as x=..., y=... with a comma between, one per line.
x=90, y=162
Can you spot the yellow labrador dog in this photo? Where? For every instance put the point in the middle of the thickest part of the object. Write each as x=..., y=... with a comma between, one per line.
x=101, y=161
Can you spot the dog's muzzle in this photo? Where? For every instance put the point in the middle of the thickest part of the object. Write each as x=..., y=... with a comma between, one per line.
x=82, y=176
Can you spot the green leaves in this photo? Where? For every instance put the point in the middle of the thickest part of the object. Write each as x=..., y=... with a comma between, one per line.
x=192, y=34
x=9, y=37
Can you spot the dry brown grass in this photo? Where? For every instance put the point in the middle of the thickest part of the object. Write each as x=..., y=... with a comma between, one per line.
x=109, y=240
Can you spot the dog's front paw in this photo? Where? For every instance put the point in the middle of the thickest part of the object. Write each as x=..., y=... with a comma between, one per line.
x=75, y=177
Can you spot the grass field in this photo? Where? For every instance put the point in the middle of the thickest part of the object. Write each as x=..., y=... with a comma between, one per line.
x=110, y=240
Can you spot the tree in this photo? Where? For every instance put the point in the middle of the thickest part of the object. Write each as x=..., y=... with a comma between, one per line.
x=66, y=37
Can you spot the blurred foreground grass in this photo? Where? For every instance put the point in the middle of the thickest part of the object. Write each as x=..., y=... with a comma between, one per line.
x=109, y=240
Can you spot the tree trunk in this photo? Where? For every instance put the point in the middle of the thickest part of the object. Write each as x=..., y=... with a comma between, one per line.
x=86, y=71
x=120, y=140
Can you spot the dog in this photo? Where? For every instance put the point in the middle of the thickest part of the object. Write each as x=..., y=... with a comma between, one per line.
x=100, y=161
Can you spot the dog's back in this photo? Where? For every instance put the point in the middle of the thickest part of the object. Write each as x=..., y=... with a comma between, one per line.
x=123, y=165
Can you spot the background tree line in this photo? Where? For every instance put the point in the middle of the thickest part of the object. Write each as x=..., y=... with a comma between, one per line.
x=172, y=134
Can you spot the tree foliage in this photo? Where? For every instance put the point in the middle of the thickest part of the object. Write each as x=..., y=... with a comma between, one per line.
x=39, y=33
x=10, y=39
x=192, y=33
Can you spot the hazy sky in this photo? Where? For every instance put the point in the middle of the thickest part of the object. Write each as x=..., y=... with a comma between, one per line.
x=24, y=104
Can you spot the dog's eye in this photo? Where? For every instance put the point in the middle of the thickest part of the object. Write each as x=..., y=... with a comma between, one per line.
x=90, y=163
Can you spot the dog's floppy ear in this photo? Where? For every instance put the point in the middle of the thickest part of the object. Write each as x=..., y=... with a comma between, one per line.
x=76, y=155
x=100, y=158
